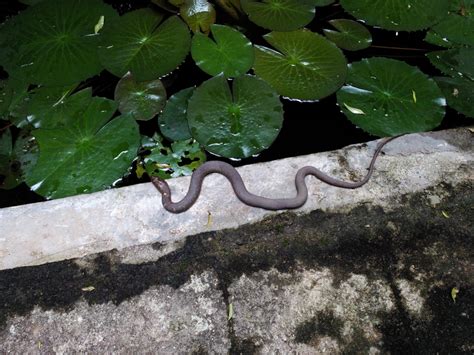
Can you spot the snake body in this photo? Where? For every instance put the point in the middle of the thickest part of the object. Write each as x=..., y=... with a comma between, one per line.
x=248, y=198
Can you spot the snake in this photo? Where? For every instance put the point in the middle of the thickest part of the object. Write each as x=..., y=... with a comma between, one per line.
x=250, y=199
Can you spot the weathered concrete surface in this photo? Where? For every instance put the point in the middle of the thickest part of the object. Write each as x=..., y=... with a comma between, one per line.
x=366, y=280
x=115, y=219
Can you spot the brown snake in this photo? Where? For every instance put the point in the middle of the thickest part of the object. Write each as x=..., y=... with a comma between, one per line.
x=248, y=198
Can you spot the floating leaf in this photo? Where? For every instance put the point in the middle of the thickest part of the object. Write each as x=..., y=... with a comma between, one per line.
x=142, y=43
x=86, y=156
x=16, y=161
x=232, y=7
x=454, y=29
x=352, y=35
x=165, y=5
x=279, y=15
x=173, y=120
x=307, y=66
x=142, y=100
x=56, y=42
x=230, y=52
x=181, y=159
x=383, y=89
x=459, y=94
x=398, y=15
x=198, y=14
x=456, y=62
x=238, y=122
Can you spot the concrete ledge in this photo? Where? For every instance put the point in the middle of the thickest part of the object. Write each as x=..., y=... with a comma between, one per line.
x=115, y=219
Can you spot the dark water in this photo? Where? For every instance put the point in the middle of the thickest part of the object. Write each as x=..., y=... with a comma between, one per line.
x=307, y=128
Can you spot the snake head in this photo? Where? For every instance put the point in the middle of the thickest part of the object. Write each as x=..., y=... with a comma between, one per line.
x=160, y=184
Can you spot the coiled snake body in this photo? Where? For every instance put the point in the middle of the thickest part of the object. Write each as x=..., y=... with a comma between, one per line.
x=248, y=198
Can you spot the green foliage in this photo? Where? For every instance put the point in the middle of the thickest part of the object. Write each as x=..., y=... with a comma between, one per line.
x=398, y=15
x=174, y=121
x=237, y=122
x=145, y=44
x=180, y=159
x=306, y=66
x=230, y=53
x=351, y=35
x=386, y=97
x=280, y=15
x=143, y=100
x=61, y=137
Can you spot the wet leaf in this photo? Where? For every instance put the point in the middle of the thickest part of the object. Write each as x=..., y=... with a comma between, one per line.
x=173, y=120
x=56, y=42
x=383, y=89
x=351, y=35
x=143, y=100
x=198, y=14
x=279, y=15
x=455, y=62
x=306, y=66
x=229, y=52
x=86, y=156
x=398, y=15
x=459, y=94
x=142, y=43
x=238, y=122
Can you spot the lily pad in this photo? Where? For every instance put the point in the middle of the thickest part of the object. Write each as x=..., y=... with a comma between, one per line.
x=454, y=29
x=387, y=97
x=142, y=100
x=230, y=52
x=398, y=15
x=238, y=122
x=351, y=35
x=56, y=41
x=16, y=160
x=142, y=43
x=455, y=62
x=49, y=107
x=307, y=66
x=198, y=14
x=173, y=120
x=279, y=15
x=86, y=156
x=459, y=94
x=181, y=159
x=321, y=3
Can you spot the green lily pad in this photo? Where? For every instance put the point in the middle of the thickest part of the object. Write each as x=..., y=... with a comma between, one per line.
x=198, y=14
x=386, y=97
x=307, y=66
x=459, y=94
x=351, y=35
x=17, y=160
x=180, y=160
x=453, y=30
x=173, y=120
x=279, y=15
x=142, y=100
x=142, y=43
x=238, y=122
x=455, y=62
x=230, y=53
x=50, y=107
x=398, y=15
x=56, y=41
x=85, y=156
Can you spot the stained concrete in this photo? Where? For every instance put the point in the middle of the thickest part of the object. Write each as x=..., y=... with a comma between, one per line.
x=374, y=276
x=118, y=218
